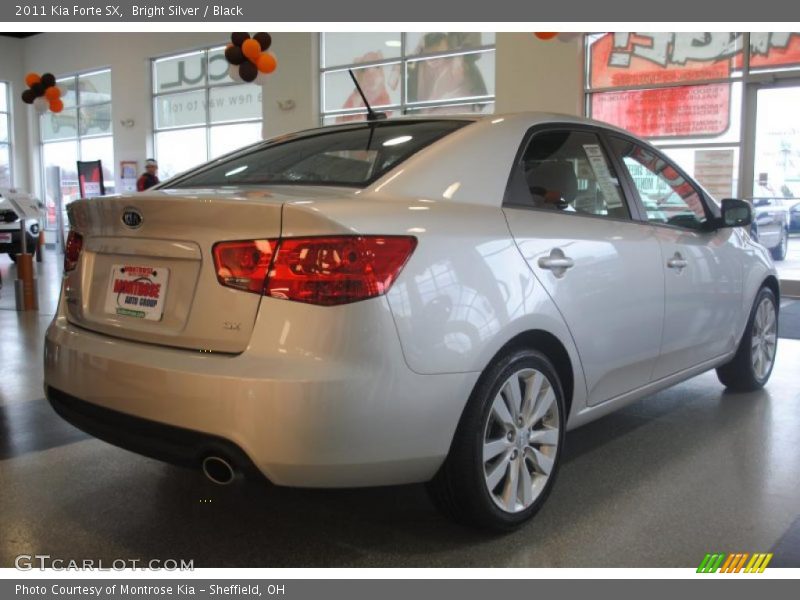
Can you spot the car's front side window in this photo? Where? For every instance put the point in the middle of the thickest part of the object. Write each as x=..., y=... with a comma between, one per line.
x=568, y=171
x=667, y=196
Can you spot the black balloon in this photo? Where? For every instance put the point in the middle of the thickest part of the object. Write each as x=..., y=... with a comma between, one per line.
x=264, y=39
x=28, y=96
x=248, y=71
x=38, y=89
x=234, y=56
x=239, y=38
x=48, y=80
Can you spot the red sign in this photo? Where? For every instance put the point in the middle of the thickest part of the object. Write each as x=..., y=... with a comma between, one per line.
x=771, y=50
x=643, y=59
x=674, y=112
x=633, y=59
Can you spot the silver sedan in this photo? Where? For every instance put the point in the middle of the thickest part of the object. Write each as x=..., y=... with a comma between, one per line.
x=412, y=300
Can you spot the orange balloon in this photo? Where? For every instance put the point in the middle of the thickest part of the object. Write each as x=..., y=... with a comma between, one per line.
x=267, y=62
x=546, y=35
x=32, y=79
x=56, y=105
x=52, y=93
x=251, y=49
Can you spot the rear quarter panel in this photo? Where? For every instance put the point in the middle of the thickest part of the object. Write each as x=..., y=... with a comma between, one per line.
x=464, y=293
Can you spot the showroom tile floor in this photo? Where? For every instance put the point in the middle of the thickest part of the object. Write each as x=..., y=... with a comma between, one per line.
x=687, y=471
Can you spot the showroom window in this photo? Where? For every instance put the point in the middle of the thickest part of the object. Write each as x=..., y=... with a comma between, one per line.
x=694, y=96
x=406, y=73
x=199, y=112
x=82, y=131
x=6, y=175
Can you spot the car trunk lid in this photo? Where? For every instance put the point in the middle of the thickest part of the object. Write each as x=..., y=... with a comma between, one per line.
x=147, y=273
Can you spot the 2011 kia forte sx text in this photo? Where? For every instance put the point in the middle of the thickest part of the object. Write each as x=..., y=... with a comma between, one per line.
x=411, y=300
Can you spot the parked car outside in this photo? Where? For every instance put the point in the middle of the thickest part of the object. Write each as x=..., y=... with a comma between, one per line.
x=794, y=217
x=770, y=227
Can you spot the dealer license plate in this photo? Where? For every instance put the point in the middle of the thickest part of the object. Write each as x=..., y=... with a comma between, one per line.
x=5, y=238
x=137, y=291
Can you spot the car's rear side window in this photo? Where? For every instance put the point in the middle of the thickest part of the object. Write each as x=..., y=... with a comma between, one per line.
x=354, y=155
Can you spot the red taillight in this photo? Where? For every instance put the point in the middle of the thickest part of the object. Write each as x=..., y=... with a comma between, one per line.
x=316, y=270
x=72, y=252
x=244, y=265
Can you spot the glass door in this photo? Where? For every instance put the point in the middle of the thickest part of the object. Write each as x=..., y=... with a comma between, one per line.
x=776, y=175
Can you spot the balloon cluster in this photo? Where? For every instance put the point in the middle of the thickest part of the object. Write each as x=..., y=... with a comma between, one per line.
x=43, y=92
x=248, y=57
x=564, y=36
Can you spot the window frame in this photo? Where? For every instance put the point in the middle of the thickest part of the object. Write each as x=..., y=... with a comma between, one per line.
x=76, y=76
x=205, y=88
x=9, y=127
x=403, y=60
x=515, y=179
x=750, y=78
x=77, y=138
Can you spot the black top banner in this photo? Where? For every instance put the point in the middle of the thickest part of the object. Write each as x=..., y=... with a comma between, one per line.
x=466, y=11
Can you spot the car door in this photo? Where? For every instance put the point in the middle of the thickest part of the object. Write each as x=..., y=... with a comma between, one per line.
x=702, y=265
x=572, y=224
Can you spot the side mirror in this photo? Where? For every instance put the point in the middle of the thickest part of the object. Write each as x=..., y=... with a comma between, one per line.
x=736, y=213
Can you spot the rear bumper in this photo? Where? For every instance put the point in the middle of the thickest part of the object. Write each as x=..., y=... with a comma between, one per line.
x=171, y=444
x=312, y=411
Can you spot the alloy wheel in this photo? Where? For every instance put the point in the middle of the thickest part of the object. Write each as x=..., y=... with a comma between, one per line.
x=520, y=440
x=764, y=339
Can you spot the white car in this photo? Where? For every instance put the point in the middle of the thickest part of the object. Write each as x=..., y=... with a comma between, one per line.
x=412, y=300
x=14, y=206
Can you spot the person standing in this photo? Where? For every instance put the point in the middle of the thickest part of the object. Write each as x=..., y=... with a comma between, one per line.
x=150, y=177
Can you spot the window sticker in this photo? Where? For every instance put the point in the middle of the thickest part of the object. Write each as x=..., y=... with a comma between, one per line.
x=605, y=181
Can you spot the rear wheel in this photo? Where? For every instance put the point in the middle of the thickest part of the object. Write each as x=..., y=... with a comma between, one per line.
x=752, y=365
x=506, y=451
x=779, y=251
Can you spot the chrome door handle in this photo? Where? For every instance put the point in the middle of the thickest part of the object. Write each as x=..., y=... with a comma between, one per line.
x=677, y=262
x=556, y=262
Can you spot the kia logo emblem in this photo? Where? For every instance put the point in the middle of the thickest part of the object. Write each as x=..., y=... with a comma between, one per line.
x=132, y=218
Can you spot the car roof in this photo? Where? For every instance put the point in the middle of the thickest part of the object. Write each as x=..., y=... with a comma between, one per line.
x=523, y=119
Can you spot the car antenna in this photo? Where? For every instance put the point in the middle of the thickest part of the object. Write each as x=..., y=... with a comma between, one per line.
x=371, y=114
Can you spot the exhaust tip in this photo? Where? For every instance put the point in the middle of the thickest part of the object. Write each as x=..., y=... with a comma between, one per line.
x=218, y=470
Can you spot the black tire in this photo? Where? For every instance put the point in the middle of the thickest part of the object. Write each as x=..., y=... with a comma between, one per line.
x=779, y=251
x=739, y=374
x=12, y=256
x=459, y=488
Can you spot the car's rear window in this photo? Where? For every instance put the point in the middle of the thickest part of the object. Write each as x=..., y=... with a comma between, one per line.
x=353, y=156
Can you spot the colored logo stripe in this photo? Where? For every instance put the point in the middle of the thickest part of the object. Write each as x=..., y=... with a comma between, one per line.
x=711, y=563
x=758, y=563
x=734, y=563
